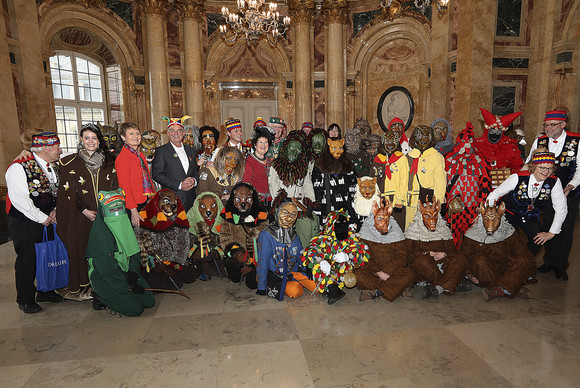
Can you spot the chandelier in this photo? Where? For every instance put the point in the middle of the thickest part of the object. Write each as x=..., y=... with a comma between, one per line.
x=254, y=20
x=394, y=8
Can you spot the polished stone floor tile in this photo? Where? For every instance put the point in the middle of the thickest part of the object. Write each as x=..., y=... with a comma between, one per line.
x=267, y=365
x=228, y=336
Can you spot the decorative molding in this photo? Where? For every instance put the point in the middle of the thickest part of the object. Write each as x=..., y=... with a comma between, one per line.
x=301, y=11
x=100, y=4
x=336, y=11
x=191, y=9
x=158, y=7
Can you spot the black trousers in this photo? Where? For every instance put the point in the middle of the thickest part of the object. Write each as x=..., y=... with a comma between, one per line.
x=25, y=234
x=558, y=248
x=531, y=229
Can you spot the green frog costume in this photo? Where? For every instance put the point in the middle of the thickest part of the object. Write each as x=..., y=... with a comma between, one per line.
x=114, y=258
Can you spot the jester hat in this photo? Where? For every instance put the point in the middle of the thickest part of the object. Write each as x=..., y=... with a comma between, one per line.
x=175, y=120
x=499, y=122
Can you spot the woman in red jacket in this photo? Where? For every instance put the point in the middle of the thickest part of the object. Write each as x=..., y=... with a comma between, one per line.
x=133, y=173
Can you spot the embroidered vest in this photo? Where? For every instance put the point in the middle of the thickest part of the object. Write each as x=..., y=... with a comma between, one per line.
x=517, y=201
x=42, y=194
x=567, y=161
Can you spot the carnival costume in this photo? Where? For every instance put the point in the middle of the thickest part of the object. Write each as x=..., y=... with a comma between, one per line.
x=114, y=261
x=334, y=253
x=468, y=185
x=279, y=268
x=446, y=145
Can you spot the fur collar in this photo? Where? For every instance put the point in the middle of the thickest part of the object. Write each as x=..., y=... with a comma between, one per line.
x=363, y=206
x=370, y=233
x=477, y=231
x=418, y=231
x=329, y=165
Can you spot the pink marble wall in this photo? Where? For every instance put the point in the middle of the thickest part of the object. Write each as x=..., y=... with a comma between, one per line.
x=173, y=47
x=18, y=101
x=176, y=104
x=319, y=108
x=319, y=43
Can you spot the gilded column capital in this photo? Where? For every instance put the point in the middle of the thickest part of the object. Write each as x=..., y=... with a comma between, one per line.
x=335, y=11
x=91, y=3
x=190, y=9
x=301, y=11
x=158, y=7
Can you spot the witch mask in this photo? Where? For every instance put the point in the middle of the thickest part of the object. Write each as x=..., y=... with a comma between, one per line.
x=287, y=215
x=423, y=137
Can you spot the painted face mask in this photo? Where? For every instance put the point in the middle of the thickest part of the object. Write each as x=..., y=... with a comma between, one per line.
x=494, y=135
x=440, y=131
x=318, y=144
x=382, y=215
x=111, y=137
x=430, y=213
x=208, y=142
x=391, y=141
x=372, y=145
x=148, y=144
x=230, y=163
x=396, y=127
x=423, y=137
x=112, y=202
x=367, y=187
x=188, y=139
x=287, y=215
x=293, y=151
x=336, y=147
x=353, y=140
x=491, y=216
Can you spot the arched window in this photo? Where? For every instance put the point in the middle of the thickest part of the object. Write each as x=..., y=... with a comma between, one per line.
x=78, y=86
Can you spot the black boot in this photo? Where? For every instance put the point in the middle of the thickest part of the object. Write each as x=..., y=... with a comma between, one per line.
x=97, y=305
x=335, y=294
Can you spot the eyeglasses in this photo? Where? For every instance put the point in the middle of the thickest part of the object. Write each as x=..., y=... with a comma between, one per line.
x=551, y=125
x=545, y=169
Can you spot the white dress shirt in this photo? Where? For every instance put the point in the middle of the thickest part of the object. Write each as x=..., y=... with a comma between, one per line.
x=18, y=189
x=558, y=198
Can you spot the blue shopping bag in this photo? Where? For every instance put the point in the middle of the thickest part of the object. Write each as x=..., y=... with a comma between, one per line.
x=51, y=263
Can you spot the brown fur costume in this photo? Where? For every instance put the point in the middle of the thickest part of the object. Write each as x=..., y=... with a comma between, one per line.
x=165, y=225
x=205, y=230
x=242, y=227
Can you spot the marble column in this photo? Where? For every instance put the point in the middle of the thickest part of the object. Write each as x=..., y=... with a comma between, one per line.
x=9, y=128
x=476, y=35
x=34, y=86
x=335, y=12
x=301, y=12
x=541, y=81
x=439, y=81
x=156, y=64
x=192, y=12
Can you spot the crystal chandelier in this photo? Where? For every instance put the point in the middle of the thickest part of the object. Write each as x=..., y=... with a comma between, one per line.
x=254, y=20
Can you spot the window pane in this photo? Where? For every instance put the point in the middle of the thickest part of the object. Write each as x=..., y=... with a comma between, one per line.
x=98, y=115
x=59, y=112
x=82, y=65
x=68, y=93
x=95, y=81
x=85, y=94
x=55, y=76
x=94, y=69
x=54, y=62
x=56, y=91
x=96, y=95
x=66, y=77
x=83, y=79
x=64, y=62
x=70, y=114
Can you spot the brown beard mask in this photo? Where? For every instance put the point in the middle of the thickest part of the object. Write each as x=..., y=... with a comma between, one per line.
x=390, y=140
x=243, y=199
x=336, y=147
x=364, y=127
x=367, y=187
x=423, y=137
x=430, y=213
x=168, y=202
x=382, y=215
x=208, y=207
x=491, y=216
x=440, y=131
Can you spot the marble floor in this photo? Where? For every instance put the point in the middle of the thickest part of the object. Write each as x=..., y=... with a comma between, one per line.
x=227, y=336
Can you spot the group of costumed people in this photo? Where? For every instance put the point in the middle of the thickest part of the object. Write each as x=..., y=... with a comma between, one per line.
x=323, y=210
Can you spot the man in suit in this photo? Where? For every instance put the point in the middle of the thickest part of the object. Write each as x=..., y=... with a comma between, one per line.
x=174, y=166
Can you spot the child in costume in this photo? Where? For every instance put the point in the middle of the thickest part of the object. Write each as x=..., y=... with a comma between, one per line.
x=279, y=268
x=114, y=259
